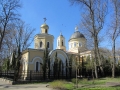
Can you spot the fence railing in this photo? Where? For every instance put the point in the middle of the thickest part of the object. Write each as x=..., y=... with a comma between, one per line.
x=32, y=75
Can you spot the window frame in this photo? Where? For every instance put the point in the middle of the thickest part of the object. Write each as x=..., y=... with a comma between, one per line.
x=48, y=45
x=41, y=43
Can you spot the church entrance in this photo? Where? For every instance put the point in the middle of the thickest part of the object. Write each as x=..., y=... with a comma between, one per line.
x=59, y=64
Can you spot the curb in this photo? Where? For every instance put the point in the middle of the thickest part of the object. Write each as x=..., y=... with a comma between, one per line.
x=7, y=80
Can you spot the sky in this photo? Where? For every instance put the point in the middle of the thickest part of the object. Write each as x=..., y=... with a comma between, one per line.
x=61, y=17
x=60, y=14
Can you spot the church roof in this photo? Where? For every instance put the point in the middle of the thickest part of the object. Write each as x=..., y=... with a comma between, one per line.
x=44, y=25
x=77, y=34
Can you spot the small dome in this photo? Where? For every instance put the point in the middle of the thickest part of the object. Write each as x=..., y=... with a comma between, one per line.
x=77, y=34
x=60, y=35
x=45, y=26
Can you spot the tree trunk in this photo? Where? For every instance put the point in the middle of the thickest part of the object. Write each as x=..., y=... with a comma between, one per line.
x=114, y=59
x=2, y=35
x=93, y=76
x=99, y=58
x=95, y=58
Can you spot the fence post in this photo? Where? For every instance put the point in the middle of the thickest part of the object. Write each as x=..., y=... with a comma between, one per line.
x=1, y=73
x=30, y=75
x=14, y=75
x=49, y=73
x=7, y=74
x=40, y=75
x=62, y=70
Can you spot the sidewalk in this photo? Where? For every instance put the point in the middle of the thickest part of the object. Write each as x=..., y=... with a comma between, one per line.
x=7, y=86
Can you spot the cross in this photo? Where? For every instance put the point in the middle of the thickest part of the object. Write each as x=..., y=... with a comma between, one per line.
x=60, y=32
x=44, y=20
x=76, y=28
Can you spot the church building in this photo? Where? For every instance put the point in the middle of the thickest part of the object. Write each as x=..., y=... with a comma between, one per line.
x=32, y=58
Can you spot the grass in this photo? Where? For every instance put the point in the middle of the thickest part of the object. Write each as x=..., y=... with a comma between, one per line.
x=61, y=84
x=100, y=88
x=69, y=86
x=57, y=84
x=84, y=84
x=99, y=81
x=90, y=82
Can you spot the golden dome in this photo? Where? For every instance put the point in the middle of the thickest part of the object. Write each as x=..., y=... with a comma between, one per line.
x=45, y=26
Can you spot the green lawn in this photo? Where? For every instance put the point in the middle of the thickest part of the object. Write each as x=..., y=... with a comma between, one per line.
x=99, y=81
x=84, y=84
x=99, y=88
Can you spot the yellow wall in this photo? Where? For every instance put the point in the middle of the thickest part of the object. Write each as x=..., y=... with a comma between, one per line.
x=44, y=38
x=77, y=41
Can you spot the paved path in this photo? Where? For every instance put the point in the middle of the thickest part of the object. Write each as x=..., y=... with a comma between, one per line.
x=6, y=86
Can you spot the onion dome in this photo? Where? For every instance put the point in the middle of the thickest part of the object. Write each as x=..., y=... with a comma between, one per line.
x=45, y=26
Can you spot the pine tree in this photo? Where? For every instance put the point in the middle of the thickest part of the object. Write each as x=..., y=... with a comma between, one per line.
x=45, y=62
x=5, y=65
x=49, y=67
x=66, y=67
x=55, y=65
x=16, y=63
x=70, y=65
x=59, y=67
x=8, y=64
x=13, y=61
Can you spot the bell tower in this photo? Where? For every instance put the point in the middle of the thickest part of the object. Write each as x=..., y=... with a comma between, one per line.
x=44, y=39
x=61, y=42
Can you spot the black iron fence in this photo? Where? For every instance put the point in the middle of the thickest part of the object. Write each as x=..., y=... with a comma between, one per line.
x=32, y=75
x=7, y=74
x=38, y=75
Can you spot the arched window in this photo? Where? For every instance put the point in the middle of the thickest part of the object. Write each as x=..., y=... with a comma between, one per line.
x=37, y=66
x=40, y=44
x=48, y=44
x=46, y=31
x=62, y=42
x=74, y=44
x=80, y=45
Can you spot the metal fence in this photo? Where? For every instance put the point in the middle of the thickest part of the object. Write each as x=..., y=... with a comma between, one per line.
x=38, y=75
x=32, y=75
x=7, y=74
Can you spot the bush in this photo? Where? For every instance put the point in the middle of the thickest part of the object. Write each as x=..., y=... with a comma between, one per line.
x=74, y=80
x=58, y=84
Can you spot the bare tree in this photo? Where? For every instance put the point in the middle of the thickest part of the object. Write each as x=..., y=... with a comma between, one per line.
x=18, y=37
x=7, y=46
x=8, y=13
x=23, y=35
x=93, y=19
x=114, y=32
